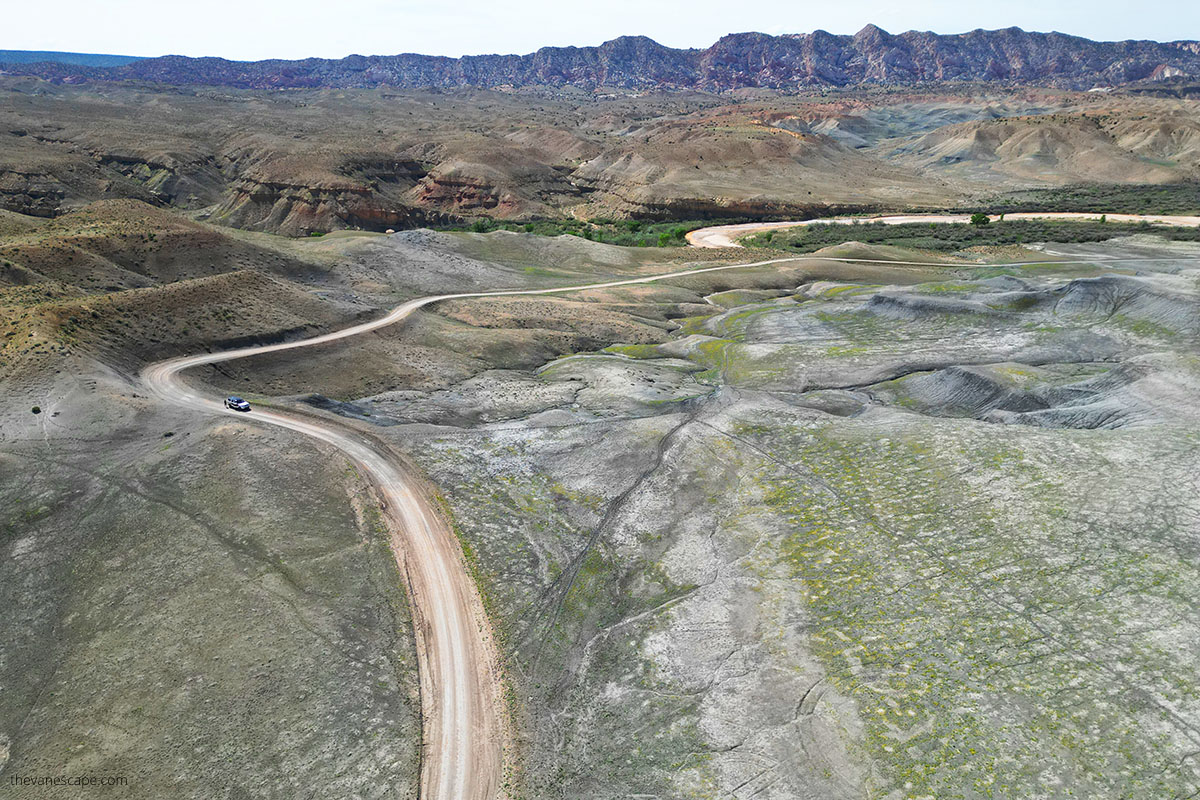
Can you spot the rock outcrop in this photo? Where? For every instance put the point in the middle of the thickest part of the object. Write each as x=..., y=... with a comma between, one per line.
x=740, y=60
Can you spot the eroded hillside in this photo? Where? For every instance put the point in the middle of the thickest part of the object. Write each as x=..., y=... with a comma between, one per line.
x=810, y=529
x=854, y=531
x=311, y=161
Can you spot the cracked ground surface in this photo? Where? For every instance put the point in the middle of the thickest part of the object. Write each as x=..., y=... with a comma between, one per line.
x=851, y=538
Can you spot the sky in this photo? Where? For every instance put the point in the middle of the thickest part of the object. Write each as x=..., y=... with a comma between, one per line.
x=255, y=29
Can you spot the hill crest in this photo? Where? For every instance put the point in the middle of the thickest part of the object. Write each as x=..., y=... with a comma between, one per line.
x=739, y=60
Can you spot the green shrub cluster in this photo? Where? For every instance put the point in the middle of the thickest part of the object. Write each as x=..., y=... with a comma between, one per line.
x=1171, y=198
x=626, y=232
x=951, y=237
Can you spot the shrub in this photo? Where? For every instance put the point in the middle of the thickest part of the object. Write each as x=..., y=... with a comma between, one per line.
x=36, y=409
x=980, y=219
x=954, y=237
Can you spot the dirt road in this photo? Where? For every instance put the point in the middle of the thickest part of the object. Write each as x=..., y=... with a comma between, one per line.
x=727, y=235
x=465, y=725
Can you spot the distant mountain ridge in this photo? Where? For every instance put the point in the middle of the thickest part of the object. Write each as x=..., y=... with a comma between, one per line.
x=59, y=57
x=741, y=60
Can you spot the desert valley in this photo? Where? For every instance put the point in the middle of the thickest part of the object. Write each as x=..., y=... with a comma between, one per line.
x=805, y=416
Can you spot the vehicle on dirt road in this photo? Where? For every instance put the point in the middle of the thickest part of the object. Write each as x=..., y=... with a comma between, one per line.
x=236, y=404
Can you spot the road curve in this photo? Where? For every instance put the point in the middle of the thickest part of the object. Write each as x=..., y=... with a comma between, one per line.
x=464, y=721
x=465, y=724
x=727, y=235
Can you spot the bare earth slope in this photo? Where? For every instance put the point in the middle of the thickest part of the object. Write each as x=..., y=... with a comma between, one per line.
x=1069, y=149
x=824, y=542
x=310, y=161
x=881, y=523
x=462, y=694
x=694, y=584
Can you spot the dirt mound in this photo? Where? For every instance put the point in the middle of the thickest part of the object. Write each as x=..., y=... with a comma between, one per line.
x=127, y=328
x=12, y=223
x=732, y=163
x=969, y=391
x=1133, y=301
x=1084, y=396
x=1058, y=149
x=113, y=245
x=908, y=305
x=1018, y=394
x=1171, y=137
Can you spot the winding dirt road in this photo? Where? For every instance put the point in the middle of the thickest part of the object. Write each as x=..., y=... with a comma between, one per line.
x=727, y=235
x=465, y=724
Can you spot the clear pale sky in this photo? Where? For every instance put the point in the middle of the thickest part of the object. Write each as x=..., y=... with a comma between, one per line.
x=253, y=29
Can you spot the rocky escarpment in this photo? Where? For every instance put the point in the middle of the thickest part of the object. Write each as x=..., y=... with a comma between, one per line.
x=47, y=190
x=394, y=192
x=306, y=161
x=295, y=209
x=501, y=181
x=44, y=173
x=172, y=179
x=871, y=56
x=290, y=196
x=37, y=194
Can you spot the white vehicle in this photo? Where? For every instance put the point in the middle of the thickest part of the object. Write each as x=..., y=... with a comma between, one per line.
x=234, y=403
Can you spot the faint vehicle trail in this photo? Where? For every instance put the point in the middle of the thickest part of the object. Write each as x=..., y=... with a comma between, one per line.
x=465, y=725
